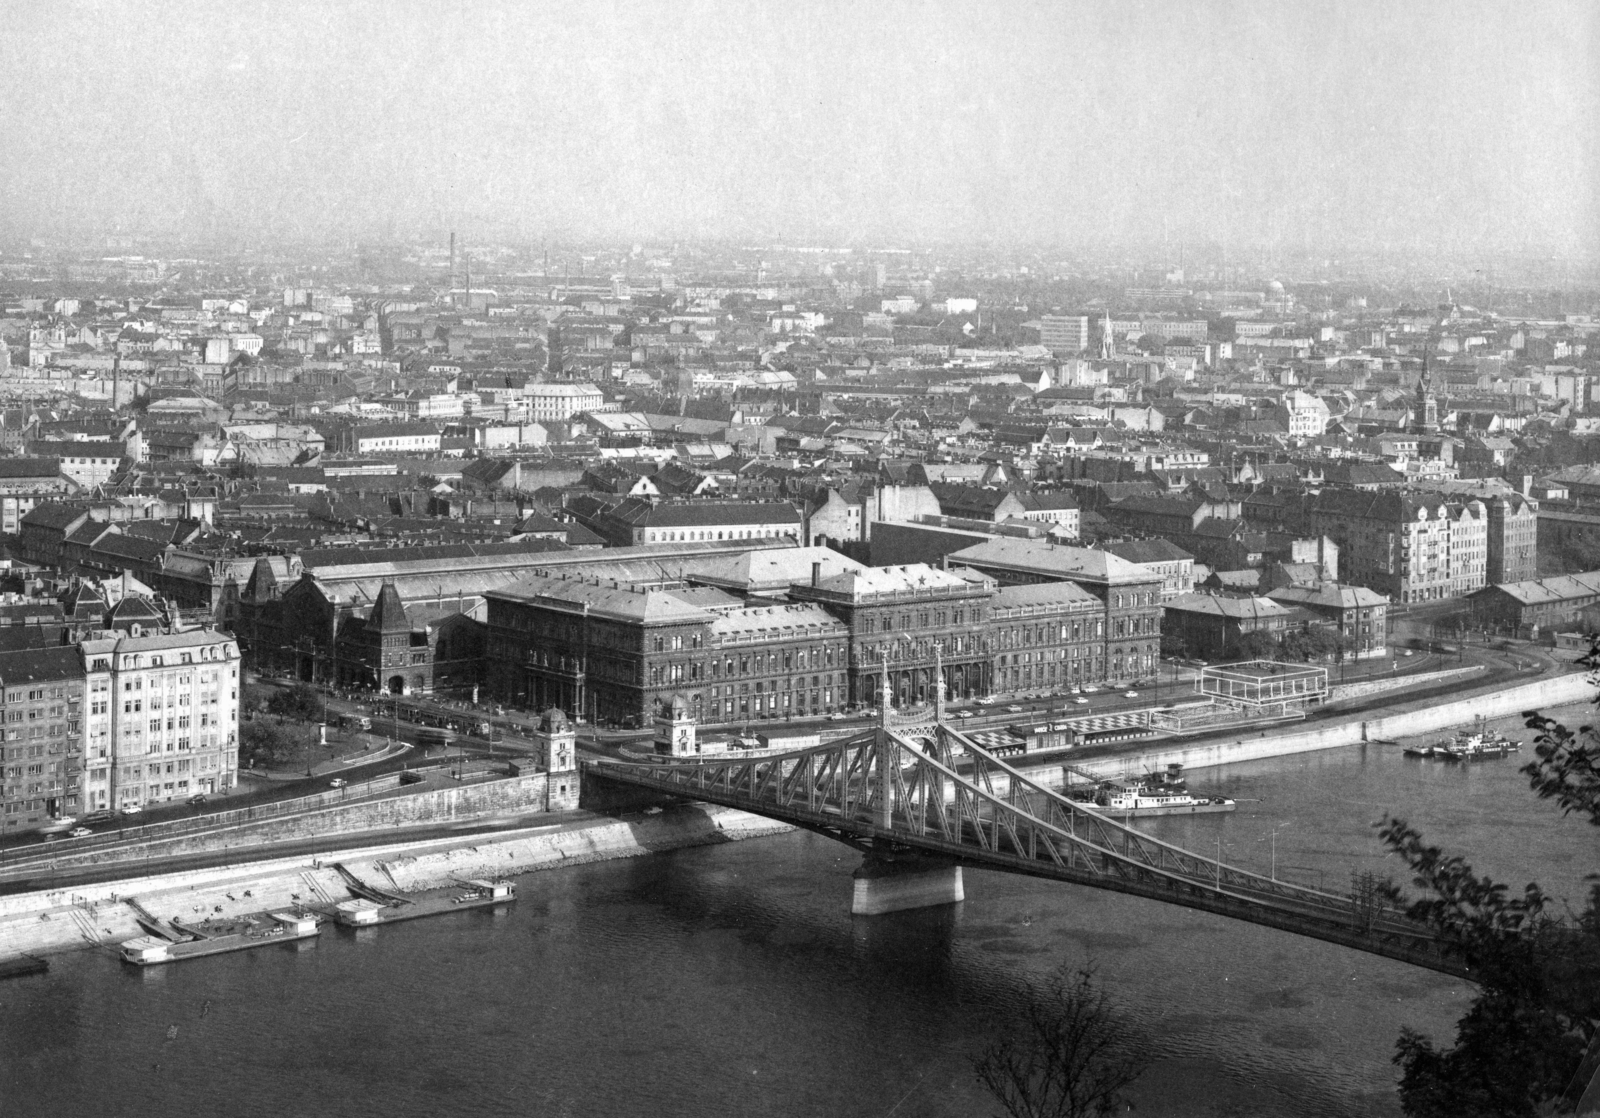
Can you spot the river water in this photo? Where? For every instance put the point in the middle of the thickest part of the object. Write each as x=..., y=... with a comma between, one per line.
x=731, y=980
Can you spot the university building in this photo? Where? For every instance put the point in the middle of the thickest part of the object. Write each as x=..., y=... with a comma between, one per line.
x=625, y=652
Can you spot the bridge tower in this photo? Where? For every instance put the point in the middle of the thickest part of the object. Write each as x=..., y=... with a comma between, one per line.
x=675, y=731
x=882, y=774
x=894, y=880
x=558, y=753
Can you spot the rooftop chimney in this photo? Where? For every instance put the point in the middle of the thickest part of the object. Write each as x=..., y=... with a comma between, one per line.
x=816, y=574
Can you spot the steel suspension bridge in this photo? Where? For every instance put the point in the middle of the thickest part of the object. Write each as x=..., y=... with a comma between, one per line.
x=914, y=787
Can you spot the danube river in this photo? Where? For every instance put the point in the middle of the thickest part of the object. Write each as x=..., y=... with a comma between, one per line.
x=731, y=980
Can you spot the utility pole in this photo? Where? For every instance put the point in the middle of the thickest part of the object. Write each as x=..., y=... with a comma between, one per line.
x=1275, y=829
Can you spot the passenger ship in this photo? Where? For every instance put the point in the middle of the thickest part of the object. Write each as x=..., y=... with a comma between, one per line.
x=1164, y=794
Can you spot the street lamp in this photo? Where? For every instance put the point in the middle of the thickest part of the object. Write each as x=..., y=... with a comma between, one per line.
x=1276, y=827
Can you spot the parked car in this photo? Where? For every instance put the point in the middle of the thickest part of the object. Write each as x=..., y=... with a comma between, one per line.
x=131, y=809
x=100, y=816
x=1080, y=699
x=197, y=799
x=79, y=832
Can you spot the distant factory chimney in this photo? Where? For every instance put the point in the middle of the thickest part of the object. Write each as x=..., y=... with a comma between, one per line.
x=452, y=266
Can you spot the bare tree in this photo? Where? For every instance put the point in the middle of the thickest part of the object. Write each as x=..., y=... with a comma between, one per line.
x=1070, y=1055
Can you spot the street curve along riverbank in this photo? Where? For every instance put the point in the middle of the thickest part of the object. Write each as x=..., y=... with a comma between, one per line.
x=90, y=916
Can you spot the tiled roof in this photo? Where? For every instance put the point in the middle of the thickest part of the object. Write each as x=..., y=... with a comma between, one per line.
x=1235, y=608
x=610, y=600
x=1149, y=551
x=1069, y=594
x=776, y=622
x=40, y=664
x=914, y=577
x=1547, y=591
x=1042, y=557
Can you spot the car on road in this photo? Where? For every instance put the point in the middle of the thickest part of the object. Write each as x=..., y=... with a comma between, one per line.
x=338, y=782
x=1090, y=689
x=1130, y=694
x=1014, y=709
x=131, y=809
x=837, y=716
x=963, y=714
x=985, y=702
x=1080, y=699
x=198, y=799
x=79, y=832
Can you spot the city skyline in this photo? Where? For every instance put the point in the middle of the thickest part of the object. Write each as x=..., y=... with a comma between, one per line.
x=1437, y=130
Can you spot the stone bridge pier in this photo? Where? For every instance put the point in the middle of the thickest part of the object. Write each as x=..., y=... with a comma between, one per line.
x=902, y=881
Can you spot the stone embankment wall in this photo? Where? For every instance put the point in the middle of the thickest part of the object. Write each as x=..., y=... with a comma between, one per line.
x=1343, y=691
x=1425, y=718
x=468, y=801
x=88, y=916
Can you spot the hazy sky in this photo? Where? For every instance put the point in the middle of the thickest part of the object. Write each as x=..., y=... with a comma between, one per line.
x=1455, y=125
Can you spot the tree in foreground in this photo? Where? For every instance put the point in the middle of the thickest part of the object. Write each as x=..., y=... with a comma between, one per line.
x=1520, y=1049
x=1070, y=1055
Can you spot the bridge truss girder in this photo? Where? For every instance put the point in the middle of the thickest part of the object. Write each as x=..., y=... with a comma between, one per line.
x=899, y=788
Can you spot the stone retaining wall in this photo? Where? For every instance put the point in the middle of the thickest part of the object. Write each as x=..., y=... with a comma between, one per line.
x=1343, y=691
x=66, y=919
x=468, y=801
x=1426, y=718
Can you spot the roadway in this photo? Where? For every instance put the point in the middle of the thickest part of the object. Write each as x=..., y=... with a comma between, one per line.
x=515, y=728
x=59, y=877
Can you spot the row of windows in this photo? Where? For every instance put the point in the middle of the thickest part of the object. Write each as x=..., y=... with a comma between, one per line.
x=35, y=694
x=713, y=534
x=1054, y=631
x=921, y=619
x=790, y=683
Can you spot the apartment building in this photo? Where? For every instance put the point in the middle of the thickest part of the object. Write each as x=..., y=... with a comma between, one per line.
x=1413, y=547
x=1064, y=333
x=162, y=722
x=1513, y=538
x=41, y=743
x=397, y=438
x=560, y=402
